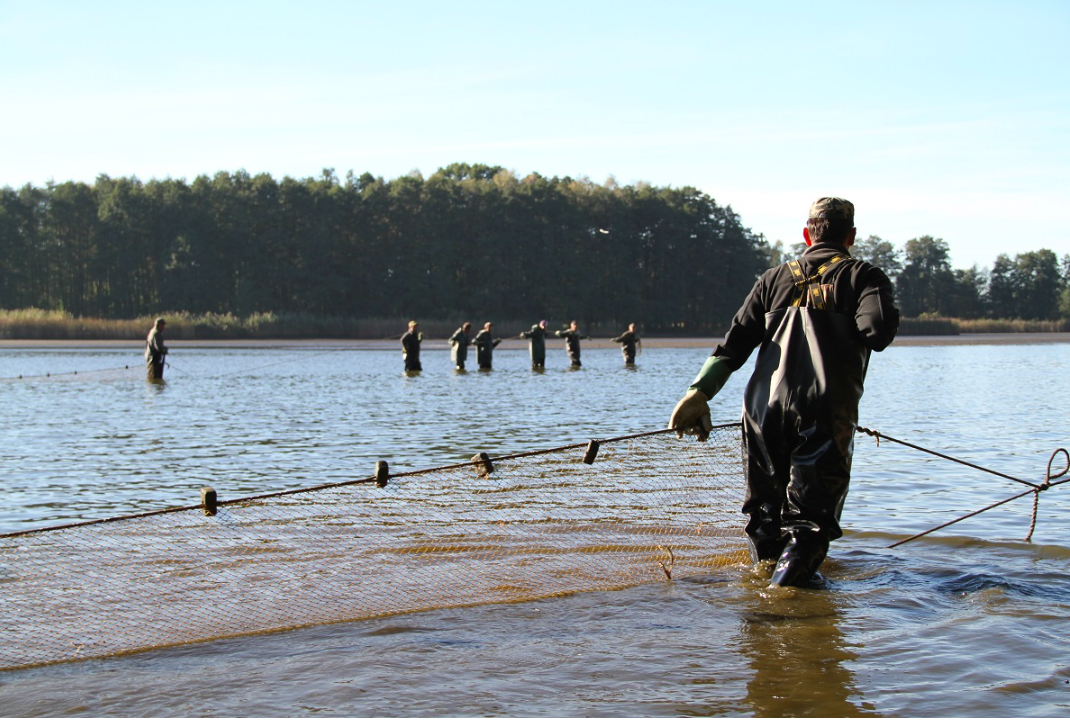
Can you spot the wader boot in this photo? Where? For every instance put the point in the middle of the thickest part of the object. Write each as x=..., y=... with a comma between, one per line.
x=800, y=560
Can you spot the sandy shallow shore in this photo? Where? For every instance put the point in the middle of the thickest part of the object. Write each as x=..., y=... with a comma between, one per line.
x=441, y=343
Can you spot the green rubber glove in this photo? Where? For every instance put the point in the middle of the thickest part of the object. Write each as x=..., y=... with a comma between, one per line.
x=712, y=377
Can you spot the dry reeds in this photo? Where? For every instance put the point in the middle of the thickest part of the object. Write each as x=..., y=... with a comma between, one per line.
x=931, y=325
x=993, y=325
x=35, y=324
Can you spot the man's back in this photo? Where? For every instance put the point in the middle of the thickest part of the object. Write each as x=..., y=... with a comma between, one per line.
x=859, y=290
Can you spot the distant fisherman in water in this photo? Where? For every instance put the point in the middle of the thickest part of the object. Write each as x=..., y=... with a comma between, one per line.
x=410, y=347
x=537, y=336
x=155, y=350
x=572, y=342
x=459, y=342
x=485, y=344
x=816, y=320
x=629, y=341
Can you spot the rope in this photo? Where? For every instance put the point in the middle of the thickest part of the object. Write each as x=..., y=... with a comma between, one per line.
x=1048, y=477
x=880, y=435
x=63, y=374
x=1035, y=489
x=475, y=462
x=170, y=365
x=176, y=369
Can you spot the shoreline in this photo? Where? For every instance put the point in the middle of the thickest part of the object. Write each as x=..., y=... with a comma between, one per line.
x=515, y=343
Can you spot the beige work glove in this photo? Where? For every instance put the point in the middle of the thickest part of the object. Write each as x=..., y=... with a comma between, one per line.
x=692, y=416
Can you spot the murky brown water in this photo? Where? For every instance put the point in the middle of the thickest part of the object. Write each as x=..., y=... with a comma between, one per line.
x=968, y=622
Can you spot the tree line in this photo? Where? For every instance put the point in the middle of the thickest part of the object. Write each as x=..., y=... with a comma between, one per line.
x=1034, y=285
x=470, y=241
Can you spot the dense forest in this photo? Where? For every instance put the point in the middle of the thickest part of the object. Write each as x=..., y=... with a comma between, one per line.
x=470, y=241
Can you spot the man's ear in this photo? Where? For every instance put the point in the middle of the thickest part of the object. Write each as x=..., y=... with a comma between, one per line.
x=806, y=237
x=850, y=237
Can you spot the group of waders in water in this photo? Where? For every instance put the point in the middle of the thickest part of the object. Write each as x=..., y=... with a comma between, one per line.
x=485, y=342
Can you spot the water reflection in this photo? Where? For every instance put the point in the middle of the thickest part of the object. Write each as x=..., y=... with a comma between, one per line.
x=798, y=655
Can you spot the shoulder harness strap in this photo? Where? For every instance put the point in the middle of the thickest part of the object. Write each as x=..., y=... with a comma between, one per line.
x=810, y=286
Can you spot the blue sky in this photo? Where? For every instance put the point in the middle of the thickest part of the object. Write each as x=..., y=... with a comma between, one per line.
x=949, y=119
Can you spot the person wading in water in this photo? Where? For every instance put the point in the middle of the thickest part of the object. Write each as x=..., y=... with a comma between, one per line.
x=816, y=321
x=155, y=350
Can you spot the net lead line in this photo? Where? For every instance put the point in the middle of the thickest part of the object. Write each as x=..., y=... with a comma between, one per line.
x=381, y=476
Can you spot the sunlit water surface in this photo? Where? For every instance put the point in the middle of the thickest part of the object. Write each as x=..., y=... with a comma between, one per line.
x=970, y=621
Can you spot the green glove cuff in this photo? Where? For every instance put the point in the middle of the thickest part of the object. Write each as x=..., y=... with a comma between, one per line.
x=712, y=377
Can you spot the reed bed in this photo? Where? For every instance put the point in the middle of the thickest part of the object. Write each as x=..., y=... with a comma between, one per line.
x=928, y=325
x=993, y=325
x=36, y=324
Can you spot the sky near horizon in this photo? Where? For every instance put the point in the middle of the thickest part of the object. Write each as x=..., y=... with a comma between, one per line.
x=949, y=119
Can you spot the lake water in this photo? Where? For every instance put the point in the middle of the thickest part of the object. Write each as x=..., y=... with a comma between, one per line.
x=969, y=621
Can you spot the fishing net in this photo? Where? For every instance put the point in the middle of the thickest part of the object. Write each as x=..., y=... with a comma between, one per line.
x=580, y=518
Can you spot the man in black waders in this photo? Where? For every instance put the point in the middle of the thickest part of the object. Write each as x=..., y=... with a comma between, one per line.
x=816, y=319
x=155, y=350
x=537, y=336
x=485, y=343
x=410, y=347
x=572, y=337
x=459, y=342
x=629, y=341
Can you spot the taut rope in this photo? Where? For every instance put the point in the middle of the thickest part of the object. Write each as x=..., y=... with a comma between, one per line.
x=1035, y=488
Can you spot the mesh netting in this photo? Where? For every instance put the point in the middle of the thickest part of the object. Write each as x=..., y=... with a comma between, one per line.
x=539, y=524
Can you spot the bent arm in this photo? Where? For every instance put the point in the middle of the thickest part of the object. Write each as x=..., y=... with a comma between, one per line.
x=877, y=316
x=747, y=330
